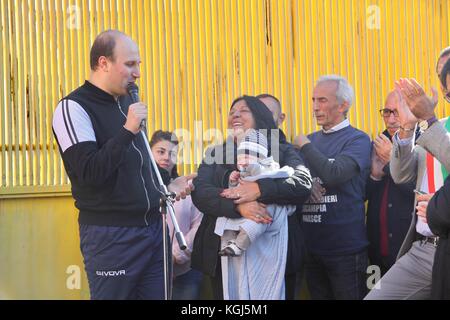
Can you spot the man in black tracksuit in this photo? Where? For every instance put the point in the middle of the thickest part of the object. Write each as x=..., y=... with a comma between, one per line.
x=97, y=130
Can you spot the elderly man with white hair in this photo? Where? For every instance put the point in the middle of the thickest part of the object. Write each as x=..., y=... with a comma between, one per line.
x=334, y=216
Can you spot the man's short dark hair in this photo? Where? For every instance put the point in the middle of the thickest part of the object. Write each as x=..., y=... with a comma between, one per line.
x=103, y=45
x=445, y=52
x=160, y=135
x=445, y=71
x=266, y=95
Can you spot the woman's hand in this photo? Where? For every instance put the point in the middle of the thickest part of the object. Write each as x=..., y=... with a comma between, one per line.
x=246, y=192
x=254, y=211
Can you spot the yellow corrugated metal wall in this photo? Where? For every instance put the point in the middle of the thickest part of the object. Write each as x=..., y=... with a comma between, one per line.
x=198, y=55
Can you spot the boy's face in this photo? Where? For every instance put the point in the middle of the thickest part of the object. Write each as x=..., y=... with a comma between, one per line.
x=165, y=154
x=244, y=160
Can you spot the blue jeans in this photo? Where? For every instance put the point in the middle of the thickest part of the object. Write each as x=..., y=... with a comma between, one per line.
x=187, y=286
x=337, y=277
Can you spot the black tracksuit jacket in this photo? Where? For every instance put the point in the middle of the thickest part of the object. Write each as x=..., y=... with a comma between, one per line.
x=112, y=182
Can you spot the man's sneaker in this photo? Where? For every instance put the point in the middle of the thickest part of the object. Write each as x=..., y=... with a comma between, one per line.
x=231, y=250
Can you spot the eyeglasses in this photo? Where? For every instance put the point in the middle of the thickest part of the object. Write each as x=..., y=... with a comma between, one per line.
x=386, y=113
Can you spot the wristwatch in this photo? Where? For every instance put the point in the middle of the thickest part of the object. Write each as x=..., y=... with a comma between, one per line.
x=425, y=124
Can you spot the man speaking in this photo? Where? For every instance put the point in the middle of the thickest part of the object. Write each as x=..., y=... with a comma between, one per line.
x=97, y=129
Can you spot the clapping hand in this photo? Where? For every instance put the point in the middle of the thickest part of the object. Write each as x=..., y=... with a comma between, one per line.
x=383, y=147
x=376, y=168
x=421, y=105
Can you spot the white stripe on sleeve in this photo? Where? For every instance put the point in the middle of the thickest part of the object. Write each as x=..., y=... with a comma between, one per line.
x=72, y=124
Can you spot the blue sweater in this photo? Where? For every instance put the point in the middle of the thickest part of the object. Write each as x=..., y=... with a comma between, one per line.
x=336, y=224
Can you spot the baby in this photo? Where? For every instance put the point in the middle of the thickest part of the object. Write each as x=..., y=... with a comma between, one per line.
x=253, y=164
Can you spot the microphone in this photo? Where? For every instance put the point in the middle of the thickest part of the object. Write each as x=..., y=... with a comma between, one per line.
x=133, y=91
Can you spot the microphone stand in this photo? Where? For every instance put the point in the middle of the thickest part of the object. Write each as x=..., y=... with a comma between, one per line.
x=166, y=205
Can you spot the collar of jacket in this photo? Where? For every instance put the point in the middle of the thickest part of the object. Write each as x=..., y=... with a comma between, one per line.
x=282, y=136
x=386, y=133
x=97, y=93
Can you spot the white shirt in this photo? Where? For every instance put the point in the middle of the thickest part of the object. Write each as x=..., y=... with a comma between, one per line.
x=340, y=126
x=421, y=227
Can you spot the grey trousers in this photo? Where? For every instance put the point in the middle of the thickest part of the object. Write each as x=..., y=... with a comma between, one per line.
x=409, y=277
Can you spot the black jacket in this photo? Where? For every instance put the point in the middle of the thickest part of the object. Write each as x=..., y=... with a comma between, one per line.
x=112, y=182
x=296, y=243
x=213, y=177
x=438, y=216
x=400, y=206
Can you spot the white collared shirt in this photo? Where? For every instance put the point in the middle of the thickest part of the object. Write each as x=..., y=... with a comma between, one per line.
x=421, y=226
x=345, y=123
